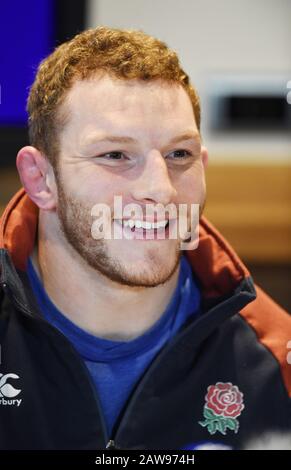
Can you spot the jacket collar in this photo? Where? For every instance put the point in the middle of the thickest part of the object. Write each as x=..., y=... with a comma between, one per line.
x=217, y=267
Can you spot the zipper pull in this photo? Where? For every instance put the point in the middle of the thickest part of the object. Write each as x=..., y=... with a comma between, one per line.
x=110, y=445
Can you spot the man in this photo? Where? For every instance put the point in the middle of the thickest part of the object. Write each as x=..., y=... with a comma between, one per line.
x=127, y=342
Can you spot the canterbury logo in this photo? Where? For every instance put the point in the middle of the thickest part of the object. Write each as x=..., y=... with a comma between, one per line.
x=8, y=391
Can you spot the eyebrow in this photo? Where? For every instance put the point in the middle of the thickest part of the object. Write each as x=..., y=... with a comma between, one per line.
x=126, y=139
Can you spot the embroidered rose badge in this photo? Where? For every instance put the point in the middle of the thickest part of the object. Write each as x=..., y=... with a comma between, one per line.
x=223, y=404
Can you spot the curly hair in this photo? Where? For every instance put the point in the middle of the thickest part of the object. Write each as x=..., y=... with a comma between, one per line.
x=123, y=54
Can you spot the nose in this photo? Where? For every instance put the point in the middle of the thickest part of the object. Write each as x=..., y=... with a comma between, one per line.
x=154, y=183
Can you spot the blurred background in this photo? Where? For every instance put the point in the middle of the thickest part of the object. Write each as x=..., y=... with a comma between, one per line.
x=237, y=53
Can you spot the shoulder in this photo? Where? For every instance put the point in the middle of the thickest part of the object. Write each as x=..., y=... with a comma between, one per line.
x=272, y=325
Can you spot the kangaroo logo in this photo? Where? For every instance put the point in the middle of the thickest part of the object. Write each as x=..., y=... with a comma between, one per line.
x=6, y=389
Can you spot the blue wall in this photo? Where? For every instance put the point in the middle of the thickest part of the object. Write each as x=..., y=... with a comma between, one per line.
x=26, y=37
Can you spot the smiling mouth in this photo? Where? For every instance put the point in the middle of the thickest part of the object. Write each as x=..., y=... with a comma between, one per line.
x=145, y=230
x=134, y=225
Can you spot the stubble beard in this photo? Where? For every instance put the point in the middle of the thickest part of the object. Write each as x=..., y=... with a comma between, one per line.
x=75, y=223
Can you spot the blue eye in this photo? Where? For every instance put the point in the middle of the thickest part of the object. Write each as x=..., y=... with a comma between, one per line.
x=181, y=154
x=114, y=155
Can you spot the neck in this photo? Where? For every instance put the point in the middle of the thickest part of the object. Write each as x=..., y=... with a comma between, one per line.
x=92, y=301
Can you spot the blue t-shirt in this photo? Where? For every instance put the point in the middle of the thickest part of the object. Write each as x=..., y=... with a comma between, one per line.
x=116, y=366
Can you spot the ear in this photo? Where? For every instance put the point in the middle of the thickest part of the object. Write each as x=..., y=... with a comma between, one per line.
x=204, y=156
x=37, y=177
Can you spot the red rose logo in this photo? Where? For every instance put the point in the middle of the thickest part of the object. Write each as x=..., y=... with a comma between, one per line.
x=225, y=399
x=223, y=404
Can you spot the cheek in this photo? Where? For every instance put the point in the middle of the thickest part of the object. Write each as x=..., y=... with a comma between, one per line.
x=96, y=186
x=191, y=187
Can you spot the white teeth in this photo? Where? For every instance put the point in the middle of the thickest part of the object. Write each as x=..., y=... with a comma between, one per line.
x=145, y=225
x=138, y=224
x=162, y=223
x=131, y=223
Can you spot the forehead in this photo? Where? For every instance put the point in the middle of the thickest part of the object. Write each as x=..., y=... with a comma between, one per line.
x=104, y=102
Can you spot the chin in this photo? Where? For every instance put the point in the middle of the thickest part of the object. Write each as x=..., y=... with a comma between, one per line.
x=138, y=279
x=149, y=269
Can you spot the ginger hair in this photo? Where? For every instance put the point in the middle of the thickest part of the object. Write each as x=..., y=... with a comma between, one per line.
x=122, y=54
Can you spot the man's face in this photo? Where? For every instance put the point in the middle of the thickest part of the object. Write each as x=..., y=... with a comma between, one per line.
x=148, y=169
